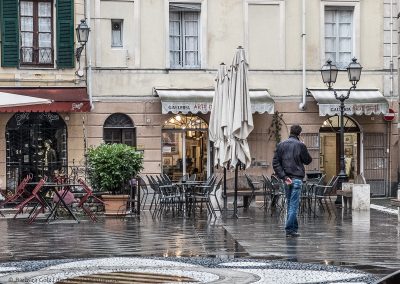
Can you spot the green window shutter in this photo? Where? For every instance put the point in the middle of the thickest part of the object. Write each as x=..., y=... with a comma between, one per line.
x=9, y=33
x=65, y=34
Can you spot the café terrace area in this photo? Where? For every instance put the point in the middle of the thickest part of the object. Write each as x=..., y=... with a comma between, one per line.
x=181, y=231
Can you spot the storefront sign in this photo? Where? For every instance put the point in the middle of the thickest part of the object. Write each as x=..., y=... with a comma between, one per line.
x=357, y=109
x=200, y=101
x=186, y=107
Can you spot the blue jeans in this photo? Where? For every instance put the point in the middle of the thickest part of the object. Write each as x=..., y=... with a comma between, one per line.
x=292, y=198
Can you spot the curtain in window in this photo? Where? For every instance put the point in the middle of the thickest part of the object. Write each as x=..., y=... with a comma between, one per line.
x=44, y=19
x=175, y=39
x=26, y=10
x=191, y=39
x=338, y=36
x=184, y=38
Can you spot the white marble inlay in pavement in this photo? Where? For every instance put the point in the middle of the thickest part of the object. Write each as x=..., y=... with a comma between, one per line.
x=383, y=209
x=284, y=276
x=244, y=264
x=8, y=269
x=118, y=261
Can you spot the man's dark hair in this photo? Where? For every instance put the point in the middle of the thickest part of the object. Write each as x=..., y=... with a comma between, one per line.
x=295, y=130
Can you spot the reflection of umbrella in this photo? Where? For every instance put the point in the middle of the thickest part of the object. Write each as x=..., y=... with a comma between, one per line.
x=215, y=129
x=240, y=116
x=13, y=100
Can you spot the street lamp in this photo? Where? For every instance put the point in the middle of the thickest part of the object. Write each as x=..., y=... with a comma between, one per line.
x=329, y=74
x=82, y=35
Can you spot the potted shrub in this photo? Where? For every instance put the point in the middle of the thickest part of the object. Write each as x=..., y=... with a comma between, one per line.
x=111, y=166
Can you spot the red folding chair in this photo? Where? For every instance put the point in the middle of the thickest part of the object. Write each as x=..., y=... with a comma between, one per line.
x=85, y=198
x=19, y=192
x=34, y=197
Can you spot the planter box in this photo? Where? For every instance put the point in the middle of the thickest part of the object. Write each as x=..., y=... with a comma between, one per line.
x=115, y=205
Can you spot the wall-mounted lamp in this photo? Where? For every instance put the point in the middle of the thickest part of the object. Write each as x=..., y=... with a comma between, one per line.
x=82, y=35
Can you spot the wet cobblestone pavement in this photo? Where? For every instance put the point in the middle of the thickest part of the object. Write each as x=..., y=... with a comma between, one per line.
x=362, y=246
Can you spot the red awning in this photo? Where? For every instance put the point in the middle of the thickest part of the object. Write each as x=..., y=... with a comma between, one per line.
x=64, y=99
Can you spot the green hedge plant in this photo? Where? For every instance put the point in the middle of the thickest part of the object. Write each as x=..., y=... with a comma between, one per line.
x=111, y=166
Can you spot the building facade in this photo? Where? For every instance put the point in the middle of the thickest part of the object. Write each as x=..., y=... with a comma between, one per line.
x=150, y=74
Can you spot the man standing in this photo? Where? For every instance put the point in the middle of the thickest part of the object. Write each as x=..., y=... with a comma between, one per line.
x=288, y=163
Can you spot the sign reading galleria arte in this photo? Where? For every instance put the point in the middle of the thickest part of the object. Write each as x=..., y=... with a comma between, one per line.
x=200, y=101
x=187, y=107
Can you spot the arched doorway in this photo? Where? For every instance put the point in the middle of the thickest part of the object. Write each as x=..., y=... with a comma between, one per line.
x=184, y=146
x=36, y=143
x=330, y=147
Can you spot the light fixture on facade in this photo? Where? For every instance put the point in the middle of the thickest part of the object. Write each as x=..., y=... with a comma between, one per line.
x=82, y=35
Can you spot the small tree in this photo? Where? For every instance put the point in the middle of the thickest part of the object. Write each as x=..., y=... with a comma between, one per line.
x=111, y=166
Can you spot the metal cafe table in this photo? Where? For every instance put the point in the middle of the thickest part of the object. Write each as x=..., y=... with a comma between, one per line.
x=64, y=188
x=60, y=190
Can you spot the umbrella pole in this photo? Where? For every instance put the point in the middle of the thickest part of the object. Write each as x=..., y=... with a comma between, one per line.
x=235, y=214
x=225, y=198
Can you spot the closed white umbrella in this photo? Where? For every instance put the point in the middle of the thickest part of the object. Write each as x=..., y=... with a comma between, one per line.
x=215, y=129
x=241, y=117
x=13, y=100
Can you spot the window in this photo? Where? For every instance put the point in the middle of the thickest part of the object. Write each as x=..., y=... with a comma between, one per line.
x=118, y=128
x=116, y=33
x=339, y=35
x=184, y=35
x=36, y=18
x=32, y=28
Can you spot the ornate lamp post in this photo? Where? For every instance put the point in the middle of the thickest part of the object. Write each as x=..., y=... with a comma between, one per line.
x=82, y=35
x=329, y=74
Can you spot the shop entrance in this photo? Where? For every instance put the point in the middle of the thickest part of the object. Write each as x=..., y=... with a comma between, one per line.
x=36, y=143
x=185, y=146
x=330, y=147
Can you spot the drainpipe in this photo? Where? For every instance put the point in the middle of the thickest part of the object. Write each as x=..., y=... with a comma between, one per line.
x=89, y=56
x=389, y=174
x=302, y=105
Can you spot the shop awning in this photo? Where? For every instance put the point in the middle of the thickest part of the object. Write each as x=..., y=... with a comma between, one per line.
x=200, y=101
x=13, y=100
x=360, y=102
x=61, y=99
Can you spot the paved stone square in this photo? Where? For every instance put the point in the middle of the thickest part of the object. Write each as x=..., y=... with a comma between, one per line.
x=356, y=247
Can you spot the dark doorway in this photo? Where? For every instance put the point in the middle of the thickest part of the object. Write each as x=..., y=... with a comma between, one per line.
x=36, y=144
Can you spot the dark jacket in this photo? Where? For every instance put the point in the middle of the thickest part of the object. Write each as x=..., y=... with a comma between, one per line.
x=290, y=157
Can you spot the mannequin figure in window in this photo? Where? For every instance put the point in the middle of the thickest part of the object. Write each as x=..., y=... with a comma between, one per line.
x=348, y=160
x=49, y=159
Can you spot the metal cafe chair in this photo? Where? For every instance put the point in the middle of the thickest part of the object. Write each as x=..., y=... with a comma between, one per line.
x=214, y=193
x=308, y=194
x=35, y=197
x=85, y=199
x=201, y=194
x=323, y=192
x=19, y=192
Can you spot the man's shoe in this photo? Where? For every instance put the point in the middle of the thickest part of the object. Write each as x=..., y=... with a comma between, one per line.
x=293, y=235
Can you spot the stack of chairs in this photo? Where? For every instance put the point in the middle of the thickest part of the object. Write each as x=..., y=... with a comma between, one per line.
x=167, y=197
